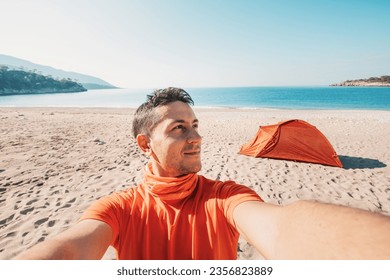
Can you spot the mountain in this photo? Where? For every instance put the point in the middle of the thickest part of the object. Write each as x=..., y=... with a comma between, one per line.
x=89, y=82
x=14, y=82
x=383, y=81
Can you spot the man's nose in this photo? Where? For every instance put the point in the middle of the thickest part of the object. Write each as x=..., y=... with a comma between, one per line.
x=194, y=136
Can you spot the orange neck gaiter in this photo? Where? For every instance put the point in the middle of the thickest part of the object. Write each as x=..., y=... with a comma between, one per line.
x=169, y=188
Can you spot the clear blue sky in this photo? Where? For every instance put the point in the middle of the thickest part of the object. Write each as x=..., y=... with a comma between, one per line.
x=202, y=43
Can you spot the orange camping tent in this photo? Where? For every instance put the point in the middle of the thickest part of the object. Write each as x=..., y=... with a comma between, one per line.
x=292, y=140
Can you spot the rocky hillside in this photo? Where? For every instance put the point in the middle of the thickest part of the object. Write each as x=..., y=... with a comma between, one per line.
x=383, y=81
x=23, y=82
x=87, y=81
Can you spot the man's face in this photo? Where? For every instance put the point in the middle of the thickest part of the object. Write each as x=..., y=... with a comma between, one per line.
x=174, y=141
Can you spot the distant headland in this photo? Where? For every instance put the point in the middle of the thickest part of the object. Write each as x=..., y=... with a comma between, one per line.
x=87, y=81
x=383, y=81
x=16, y=82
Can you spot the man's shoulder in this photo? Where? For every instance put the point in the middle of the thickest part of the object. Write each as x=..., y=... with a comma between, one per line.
x=217, y=184
x=202, y=178
x=121, y=195
x=225, y=190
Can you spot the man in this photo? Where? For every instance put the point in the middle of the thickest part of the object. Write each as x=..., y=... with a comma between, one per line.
x=176, y=214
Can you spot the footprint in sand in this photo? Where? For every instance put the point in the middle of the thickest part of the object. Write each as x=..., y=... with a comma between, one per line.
x=27, y=210
x=11, y=234
x=40, y=222
x=32, y=201
x=7, y=220
x=41, y=239
x=51, y=223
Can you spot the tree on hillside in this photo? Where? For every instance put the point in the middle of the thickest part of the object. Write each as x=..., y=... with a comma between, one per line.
x=20, y=81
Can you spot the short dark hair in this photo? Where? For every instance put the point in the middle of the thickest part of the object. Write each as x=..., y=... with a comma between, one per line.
x=145, y=117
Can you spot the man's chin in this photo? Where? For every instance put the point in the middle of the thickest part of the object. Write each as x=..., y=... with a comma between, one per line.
x=192, y=169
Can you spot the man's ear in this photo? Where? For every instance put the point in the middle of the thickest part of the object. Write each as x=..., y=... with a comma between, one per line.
x=143, y=143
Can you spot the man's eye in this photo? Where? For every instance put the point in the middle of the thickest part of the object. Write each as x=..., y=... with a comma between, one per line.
x=179, y=127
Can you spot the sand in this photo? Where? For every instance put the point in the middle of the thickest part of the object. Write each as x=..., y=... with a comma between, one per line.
x=54, y=162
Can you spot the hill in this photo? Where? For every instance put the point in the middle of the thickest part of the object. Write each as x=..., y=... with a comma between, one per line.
x=89, y=82
x=383, y=81
x=22, y=82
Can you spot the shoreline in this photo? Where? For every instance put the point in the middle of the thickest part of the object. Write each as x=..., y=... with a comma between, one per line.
x=322, y=98
x=199, y=108
x=55, y=161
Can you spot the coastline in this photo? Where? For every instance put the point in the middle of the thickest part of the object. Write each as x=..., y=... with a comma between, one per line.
x=294, y=98
x=54, y=162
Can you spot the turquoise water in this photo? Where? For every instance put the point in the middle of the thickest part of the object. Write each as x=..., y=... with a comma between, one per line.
x=245, y=97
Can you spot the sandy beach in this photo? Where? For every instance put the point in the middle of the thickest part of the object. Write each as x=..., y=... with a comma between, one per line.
x=54, y=162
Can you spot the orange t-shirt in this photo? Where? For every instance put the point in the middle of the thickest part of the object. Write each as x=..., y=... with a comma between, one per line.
x=189, y=217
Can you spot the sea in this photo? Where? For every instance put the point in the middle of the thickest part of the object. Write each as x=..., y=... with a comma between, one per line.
x=339, y=98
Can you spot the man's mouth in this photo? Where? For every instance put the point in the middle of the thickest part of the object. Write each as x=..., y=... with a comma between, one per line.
x=192, y=153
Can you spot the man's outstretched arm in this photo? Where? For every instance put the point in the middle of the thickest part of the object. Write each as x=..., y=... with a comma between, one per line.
x=312, y=230
x=88, y=239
